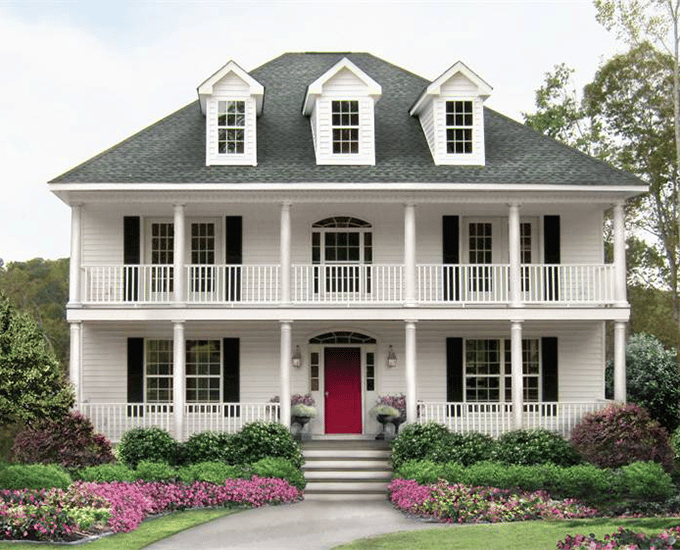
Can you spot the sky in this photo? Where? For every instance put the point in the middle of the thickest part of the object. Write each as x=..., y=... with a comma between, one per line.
x=78, y=76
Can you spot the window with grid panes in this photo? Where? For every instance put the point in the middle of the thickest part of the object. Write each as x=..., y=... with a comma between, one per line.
x=370, y=371
x=488, y=370
x=345, y=125
x=202, y=256
x=459, y=127
x=314, y=371
x=203, y=371
x=231, y=127
x=480, y=251
x=158, y=371
x=162, y=254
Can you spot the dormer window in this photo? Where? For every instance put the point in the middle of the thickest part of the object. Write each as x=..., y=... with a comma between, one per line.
x=345, y=115
x=459, y=127
x=340, y=106
x=231, y=127
x=451, y=113
x=231, y=101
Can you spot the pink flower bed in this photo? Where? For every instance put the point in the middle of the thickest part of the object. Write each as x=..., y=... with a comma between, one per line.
x=465, y=504
x=624, y=539
x=90, y=508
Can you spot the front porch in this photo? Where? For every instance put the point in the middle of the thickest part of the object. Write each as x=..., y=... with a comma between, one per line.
x=114, y=419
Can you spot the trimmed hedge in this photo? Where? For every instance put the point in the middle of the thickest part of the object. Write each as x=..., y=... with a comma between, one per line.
x=149, y=444
x=641, y=480
x=34, y=476
x=259, y=440
x=210, y=446
x=212, y=472
x=428, y=441
x=279, y=468
x=527, y=447
x=106, y=473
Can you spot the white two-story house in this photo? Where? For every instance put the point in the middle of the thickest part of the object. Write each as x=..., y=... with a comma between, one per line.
x=334, y=224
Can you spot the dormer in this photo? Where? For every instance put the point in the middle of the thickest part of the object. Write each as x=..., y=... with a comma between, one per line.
x=451, y=112
x=231, y=100
x=340, y=106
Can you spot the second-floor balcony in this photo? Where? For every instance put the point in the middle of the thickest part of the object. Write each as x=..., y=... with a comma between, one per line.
x=346, y=284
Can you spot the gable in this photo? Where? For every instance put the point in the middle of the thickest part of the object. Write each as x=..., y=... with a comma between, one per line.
x=231, y=83
x=459, y=84
x=344, y=82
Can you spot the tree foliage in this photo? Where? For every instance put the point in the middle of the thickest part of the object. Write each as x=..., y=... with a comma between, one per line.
x=40, y=288
x=32, y=385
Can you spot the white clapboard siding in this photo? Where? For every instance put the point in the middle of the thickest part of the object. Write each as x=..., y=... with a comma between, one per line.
x=102, y=236
x=427, y=123
x=581, y=237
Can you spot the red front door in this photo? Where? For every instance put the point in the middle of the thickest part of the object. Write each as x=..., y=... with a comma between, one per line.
x=343, y=390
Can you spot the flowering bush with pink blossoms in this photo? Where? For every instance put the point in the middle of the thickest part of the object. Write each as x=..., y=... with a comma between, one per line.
x=466, y=504
x=91, y=508
x=624, y=539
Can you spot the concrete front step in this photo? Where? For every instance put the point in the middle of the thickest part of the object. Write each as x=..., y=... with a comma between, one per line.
x=346, y=469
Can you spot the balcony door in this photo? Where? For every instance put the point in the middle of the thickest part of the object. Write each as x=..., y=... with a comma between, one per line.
x=483, y=254
x=342, y=251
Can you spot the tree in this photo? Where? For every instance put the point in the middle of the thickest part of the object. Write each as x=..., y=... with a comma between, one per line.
x=653, y=381
x=32, y=385
x=40, y=288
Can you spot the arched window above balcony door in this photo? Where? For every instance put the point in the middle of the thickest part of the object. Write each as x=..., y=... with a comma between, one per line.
x=342, y=240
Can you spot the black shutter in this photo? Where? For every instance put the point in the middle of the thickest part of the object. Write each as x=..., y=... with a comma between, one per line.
x=450, y=257
x=135, y=374
x=233, y=256
x=551, y=255
x=454, y=370
x=131, y=256
x=549, y=368
x=231, y=372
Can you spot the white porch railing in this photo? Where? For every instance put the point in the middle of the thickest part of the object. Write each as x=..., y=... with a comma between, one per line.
x=466, y=283
x=496, y=418
x=348, y=284
x=568, y=283
x=247, y=284
x=114, y=419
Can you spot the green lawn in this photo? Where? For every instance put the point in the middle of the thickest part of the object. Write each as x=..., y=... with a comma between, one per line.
x=149, y=531
x=528, y=535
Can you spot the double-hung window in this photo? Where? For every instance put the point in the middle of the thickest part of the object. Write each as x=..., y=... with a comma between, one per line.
x=488, y=370
x=231, y=127
x=459, y=121
x=345, y=123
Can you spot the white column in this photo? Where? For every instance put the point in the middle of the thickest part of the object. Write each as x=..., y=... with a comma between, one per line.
x=285, y=253
x=514, y=256
x=620, y=361
x=75, y=359
x=619, y=255
x=179, y=273
x=410, y=368
x=178, y=377
x=517, y=374
x=75, y=294
x=410, y=254
x=284, y=365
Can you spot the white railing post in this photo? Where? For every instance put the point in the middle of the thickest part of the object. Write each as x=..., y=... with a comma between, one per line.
x=410, y=371
x=410, y=254
x=178, y=379
x=285, y=253
x=75, y=295
x=284, y=371
x=514, y=256
x=75, y=360
x=620, y=254
x=517, y=374
x=179, y=274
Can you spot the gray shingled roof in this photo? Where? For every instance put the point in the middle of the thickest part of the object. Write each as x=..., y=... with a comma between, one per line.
x=173, y=149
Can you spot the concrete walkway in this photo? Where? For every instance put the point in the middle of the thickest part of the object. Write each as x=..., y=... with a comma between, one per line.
x=308, y=525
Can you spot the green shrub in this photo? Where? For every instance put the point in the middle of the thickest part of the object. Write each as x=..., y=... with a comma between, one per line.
x=675, y=444
x=279, y=468
x=428, y=441
x=155, y=471
x=424, y=472
x=210, y=447
x=259, y=440
x=151, y=444
x=106, y=473
x=534, y=447
x=620, y=435
x=34, y=476
x=212, y=472
x=469, y=448
x=70, y=441
x=646, y=481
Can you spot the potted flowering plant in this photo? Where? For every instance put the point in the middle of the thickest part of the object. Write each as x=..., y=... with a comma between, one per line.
x=390, y=409
x=302, y=409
